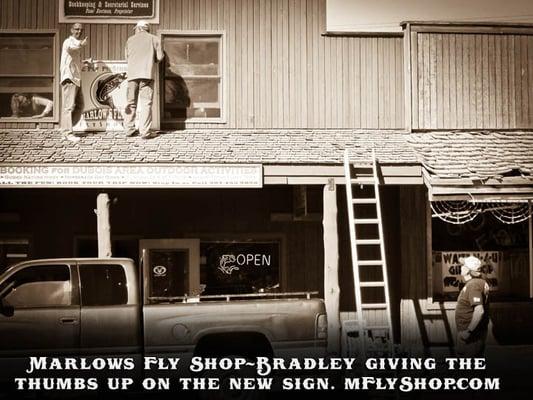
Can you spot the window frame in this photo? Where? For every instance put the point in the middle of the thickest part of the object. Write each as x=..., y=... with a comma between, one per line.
x=55, y=70
x=221, y=34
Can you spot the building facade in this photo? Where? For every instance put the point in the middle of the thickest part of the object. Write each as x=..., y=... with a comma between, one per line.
x=257, y=104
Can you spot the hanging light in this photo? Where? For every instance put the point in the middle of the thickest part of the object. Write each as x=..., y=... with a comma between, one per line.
x=510, y=213
x=455, y=212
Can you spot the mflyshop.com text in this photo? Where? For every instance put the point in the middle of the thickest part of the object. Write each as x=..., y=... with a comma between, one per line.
x=158, y=374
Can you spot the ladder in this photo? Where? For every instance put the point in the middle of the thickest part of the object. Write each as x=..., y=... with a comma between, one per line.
x=373, y=324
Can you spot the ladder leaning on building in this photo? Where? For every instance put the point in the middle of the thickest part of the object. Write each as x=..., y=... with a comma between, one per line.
x=370, y=334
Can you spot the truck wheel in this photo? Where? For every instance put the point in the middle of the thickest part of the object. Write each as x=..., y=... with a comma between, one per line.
x=225, y=393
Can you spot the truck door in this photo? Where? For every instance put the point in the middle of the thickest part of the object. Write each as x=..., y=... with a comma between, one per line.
x=110, y=310
x=40, y=311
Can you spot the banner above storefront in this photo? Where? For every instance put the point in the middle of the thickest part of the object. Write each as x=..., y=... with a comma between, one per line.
x=131, y=176
x=125, y=12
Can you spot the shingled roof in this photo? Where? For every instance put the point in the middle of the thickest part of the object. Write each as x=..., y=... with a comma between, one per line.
x=474, y=155
x=207, y=146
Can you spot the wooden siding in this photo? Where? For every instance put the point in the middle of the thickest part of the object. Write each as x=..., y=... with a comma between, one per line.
x=281, y=72
x=471, y=80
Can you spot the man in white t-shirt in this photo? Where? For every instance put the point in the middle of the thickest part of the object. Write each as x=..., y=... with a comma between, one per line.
x=70, y=68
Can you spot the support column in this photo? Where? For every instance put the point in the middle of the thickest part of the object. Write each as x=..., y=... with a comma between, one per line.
x=331, y=266
x=103, y=225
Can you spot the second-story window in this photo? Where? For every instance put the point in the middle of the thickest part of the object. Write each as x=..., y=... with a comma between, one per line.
x=192, y=77
x=27, y=75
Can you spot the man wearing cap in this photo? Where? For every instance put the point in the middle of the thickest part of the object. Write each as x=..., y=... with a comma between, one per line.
x=471, y=313
x=143, y=51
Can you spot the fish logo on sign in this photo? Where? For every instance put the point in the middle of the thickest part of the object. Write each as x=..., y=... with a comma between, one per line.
x=227, y=264
x=160, y=270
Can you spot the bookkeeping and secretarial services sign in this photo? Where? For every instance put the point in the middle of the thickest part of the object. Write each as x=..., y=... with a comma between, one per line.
x=108, y=11
x=131, y=175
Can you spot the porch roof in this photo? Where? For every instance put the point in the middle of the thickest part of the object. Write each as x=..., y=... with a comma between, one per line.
x=324, y=147
x=479, y=166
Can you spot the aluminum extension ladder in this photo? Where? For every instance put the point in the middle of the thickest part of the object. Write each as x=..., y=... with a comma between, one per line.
x=371, y=332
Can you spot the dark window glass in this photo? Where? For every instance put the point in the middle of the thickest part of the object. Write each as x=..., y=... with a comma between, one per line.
x=168, y=273
x=502, y=249
x=103, y=285
x=239, y=267
x=38, y=286
x=192, y=77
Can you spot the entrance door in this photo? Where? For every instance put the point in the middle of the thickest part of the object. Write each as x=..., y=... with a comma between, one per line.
x=171, y=269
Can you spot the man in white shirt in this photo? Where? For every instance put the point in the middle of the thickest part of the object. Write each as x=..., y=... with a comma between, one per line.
x=70, y=67
x=143, y=51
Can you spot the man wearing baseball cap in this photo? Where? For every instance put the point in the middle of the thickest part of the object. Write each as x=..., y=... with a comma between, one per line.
x=471, y=313
x=143, y=51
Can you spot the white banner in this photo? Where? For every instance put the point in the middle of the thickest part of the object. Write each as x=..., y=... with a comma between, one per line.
x=132, y=175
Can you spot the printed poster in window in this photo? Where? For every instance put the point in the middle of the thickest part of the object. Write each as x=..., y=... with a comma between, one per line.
x=451, y=267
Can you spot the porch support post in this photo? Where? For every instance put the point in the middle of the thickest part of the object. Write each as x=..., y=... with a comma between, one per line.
x=331, y=266
x=103, y=225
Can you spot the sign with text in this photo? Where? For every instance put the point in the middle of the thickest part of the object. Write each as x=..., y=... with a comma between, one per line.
x=240, y=267
x=104, y=91
x=450, y=266
x=131, y=175
x=116, y=11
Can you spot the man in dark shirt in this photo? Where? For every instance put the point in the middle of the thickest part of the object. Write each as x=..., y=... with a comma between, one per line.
x=471, y=313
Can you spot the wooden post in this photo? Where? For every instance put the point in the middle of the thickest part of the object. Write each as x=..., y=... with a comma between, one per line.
x=331, y=266
x=103, y=225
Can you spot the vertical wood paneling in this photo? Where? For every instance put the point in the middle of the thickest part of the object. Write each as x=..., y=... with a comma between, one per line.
x=281, y=72
x=472, y=81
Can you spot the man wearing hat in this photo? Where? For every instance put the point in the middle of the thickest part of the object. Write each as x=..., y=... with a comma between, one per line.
x=143, y=51
x=471, y=313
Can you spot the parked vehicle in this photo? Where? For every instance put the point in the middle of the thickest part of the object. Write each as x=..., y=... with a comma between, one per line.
x=94, y=306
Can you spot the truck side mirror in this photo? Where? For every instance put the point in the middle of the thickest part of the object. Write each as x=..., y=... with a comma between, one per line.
x=6, y=309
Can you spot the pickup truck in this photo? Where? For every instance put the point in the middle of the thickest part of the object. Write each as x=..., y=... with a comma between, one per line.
x=92, y=306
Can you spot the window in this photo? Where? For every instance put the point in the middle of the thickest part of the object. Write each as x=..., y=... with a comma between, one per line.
x=239, y=267
x=192, y=77
x=169, y=272
x=27, y=75
x=38, y=286
x=502, y=248
x=13, y=251
x=103, y=285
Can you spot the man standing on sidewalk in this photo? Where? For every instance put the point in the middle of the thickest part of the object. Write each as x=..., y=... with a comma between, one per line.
x=143, y=51
x=472, y=314
x=70, y=68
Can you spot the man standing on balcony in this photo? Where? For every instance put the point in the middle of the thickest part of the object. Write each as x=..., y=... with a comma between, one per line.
x=70, y=67
x=143, y=51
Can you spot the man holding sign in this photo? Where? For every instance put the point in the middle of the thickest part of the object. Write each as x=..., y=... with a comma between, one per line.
x=471, y=313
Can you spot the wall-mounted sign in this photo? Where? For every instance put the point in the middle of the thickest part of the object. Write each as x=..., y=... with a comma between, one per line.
x=131, y=175
x=116, y=11
x=240, y=267
x=450, y=265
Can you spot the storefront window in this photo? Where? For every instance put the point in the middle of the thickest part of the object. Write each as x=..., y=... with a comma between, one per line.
x=27, y=75
x=192, y=77
x=239, y=267
x=502, y=248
